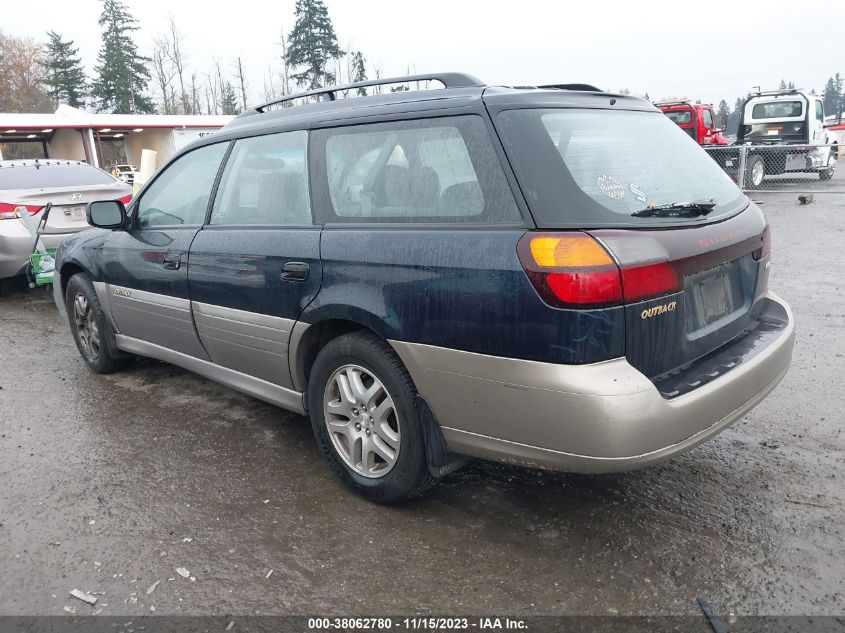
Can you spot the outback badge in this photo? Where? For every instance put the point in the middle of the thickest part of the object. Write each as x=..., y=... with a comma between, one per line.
x=657, y=310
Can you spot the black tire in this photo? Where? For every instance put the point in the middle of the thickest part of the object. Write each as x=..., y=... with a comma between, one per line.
x=750, y=166
x=409, y=475
x=103, y=358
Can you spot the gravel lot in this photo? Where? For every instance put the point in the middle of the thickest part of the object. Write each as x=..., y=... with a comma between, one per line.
x=110, y=483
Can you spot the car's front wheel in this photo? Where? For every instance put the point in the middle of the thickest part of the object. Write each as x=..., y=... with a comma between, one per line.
x=91, y=330
x=365, y=420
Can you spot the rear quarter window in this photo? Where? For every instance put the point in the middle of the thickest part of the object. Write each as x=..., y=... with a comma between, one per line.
x=442, y=170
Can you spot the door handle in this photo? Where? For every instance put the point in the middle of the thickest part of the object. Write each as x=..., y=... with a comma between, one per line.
x=172, y=261
x=295, y=271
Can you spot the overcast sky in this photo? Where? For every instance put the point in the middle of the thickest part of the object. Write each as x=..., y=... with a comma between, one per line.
x=707, y=50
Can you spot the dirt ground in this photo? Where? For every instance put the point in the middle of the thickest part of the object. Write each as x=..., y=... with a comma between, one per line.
x=110, y=483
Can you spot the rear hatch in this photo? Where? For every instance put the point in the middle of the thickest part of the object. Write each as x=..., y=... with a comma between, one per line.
x=720, y=277
x=683, y=251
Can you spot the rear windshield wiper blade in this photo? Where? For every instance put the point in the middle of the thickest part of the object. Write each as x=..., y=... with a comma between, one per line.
x=676, y=210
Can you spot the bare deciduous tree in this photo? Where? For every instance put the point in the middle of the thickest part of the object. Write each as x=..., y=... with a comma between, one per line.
x=241, y=81
x=177, y=57
x=269, y=85
x=169, y=69
x=195, y=98
x=284, y=76
x=21, y=75
x=163, y=75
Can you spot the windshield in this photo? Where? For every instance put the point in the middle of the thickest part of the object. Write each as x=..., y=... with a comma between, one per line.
x=681, y=117
x=777, y=110
x=594, y=168
x=47, y=176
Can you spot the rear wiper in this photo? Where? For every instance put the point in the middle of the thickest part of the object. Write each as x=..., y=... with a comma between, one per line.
x=676, y=210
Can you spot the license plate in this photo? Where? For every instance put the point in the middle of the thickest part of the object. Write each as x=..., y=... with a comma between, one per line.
x=713, y=293
x=729, y=163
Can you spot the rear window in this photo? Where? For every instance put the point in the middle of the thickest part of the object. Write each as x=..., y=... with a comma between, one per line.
x=680, y=117
x=777, y=110
x=47, y=176
x=442, y=170
x=594, y=168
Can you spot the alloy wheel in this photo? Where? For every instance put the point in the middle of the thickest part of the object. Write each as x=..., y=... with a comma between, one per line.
x=757, y=173
x=362, y=421
x=86, y=326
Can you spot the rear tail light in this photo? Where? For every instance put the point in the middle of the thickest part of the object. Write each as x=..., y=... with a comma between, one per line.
x=574, y=270
x=765, y=244
x=646, y=282
x=9, y=210
x=570, y=269
x=126, y=199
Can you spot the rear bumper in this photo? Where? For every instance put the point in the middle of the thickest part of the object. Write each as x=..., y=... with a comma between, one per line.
x=16, y=244
x=603, y=417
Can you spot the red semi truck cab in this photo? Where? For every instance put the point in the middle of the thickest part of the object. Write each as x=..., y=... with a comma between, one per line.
x=696, y=119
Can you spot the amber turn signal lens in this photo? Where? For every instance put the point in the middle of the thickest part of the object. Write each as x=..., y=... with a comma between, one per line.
x=568, y=251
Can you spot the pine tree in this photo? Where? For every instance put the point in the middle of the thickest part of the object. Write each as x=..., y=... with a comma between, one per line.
x=359, y=71
x=735, y=116
x=64, y=76
x=722, y=113
x=228, y=99
x=782, y=85
x=831, y=95
x=122, y=73
x=312, y=44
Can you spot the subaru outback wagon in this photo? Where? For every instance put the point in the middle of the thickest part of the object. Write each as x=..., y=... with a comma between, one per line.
x=549, y=276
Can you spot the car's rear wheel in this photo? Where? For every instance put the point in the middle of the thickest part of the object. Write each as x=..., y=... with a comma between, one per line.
x=365, y=420
x=91, y=330
x=755, y=171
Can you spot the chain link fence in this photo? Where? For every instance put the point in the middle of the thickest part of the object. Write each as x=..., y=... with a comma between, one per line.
x=789, y=168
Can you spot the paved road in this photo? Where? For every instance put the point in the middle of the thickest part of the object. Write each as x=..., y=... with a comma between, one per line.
x=111, y=483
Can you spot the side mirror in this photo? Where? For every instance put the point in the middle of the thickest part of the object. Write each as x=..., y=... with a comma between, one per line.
x=106, y=214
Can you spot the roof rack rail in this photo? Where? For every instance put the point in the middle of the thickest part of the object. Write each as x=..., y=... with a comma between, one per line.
x=449, y=80
x=581, y=87
x=782, y=91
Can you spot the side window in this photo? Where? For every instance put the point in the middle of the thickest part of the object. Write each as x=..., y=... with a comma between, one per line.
x=820, y=111
x=180, y=194
x=434, y=170
x=708, y=119
x=265, y=182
